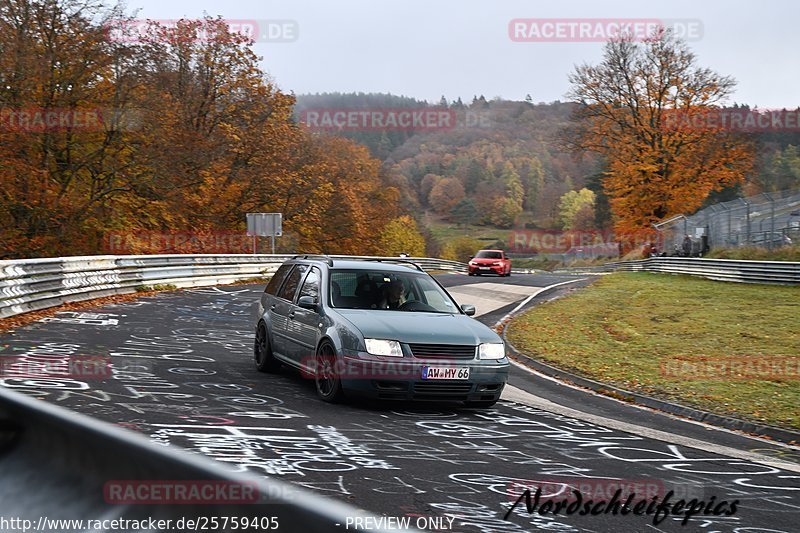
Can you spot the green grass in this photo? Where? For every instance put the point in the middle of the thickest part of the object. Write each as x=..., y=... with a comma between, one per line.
x=621, y=329
x=445, y=231
x=535, y=263
x=156, y=287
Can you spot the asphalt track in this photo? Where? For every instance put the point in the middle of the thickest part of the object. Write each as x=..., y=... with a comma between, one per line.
x=183, y=375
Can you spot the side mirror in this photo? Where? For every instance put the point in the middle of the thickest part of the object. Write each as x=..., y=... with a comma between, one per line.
x=307, y=302
x=468, y=309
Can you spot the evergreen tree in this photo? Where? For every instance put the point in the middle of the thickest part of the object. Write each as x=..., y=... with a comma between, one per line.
x=465, y=212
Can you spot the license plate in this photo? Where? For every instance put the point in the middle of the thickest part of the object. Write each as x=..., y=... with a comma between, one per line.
x=445, y=372
x=485, y=268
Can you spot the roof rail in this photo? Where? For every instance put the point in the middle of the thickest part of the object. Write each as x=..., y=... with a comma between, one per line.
x=392, y=260
x=315, y=256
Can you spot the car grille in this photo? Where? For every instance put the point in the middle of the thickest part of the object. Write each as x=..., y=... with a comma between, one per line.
x=443, y=388
x=442, y=391
x=442, y=351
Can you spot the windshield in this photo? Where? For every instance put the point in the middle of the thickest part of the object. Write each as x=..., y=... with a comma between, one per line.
x=376, y=289
x=483, y=254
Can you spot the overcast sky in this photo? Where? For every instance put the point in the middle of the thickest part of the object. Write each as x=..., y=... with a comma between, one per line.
x=427, y=48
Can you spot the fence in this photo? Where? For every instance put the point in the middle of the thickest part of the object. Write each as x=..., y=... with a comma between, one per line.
x=742, y=271
x=34, y=284
x=767, y=220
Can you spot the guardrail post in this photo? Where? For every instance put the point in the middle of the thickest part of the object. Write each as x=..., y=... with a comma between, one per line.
x=772, y=220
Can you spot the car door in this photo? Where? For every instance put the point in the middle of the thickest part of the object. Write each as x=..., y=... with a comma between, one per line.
x=281, y=308
x=304, y=323
x=272, y=288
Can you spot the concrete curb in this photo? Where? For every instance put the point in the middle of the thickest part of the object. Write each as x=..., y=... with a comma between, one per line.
x=762, y=430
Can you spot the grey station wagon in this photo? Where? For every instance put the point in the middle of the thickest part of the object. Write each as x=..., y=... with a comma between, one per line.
x=382, y=329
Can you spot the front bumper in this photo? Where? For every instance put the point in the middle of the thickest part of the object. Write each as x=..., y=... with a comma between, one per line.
x=486, y=269
x=402, y=380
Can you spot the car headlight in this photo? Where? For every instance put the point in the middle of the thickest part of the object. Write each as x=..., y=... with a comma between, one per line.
x=473, y=263
x=495, y=264
x=492, y=350
x=384, y=347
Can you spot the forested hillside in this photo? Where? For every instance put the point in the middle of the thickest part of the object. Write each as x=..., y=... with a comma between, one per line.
x=507, y=164
x=500, y=164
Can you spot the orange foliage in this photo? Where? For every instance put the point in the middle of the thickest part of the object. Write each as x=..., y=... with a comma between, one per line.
x=655, y=171
x=195, y=137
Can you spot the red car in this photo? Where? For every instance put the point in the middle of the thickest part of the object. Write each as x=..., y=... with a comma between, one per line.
x=490, y=262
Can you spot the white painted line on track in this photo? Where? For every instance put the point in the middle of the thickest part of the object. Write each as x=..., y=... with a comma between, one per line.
x=525, y=302
x=514, y=394
x=704, y=425
x=488, y=296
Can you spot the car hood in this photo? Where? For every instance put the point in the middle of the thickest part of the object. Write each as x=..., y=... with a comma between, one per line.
x=415, y=327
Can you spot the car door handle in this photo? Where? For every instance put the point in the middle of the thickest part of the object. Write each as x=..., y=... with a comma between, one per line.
x=291, y=314
x=272, y=308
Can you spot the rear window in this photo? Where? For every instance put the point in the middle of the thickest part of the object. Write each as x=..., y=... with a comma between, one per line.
x=292, y=281
x=277, y=279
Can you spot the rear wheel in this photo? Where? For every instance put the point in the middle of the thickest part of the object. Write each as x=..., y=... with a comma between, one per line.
x=326, y=377
x=262, y=351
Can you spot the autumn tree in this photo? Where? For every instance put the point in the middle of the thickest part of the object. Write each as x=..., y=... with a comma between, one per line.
x=508, y=206
x=57, y=179
x=625, y=105
x=427, y=184
x=576, y=209
x=193, y=136
x=446, y=194
x=461, y=248
x=401, y=235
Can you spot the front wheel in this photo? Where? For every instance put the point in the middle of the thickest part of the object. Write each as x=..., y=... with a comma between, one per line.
x=262, y=351
x=326, y=377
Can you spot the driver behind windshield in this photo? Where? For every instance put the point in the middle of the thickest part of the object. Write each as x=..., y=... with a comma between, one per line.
x=393, y=295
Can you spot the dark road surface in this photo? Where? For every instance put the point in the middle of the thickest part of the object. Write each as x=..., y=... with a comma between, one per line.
x=183, y=375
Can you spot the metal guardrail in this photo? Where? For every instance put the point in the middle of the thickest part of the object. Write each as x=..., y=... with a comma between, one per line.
x=58, y=465
x=741, y=271
x=34, y=284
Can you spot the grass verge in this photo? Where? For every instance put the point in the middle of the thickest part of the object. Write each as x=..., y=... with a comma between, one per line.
x=659, y=334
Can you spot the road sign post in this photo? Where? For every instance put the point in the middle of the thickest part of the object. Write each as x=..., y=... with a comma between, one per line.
x=265, y=225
